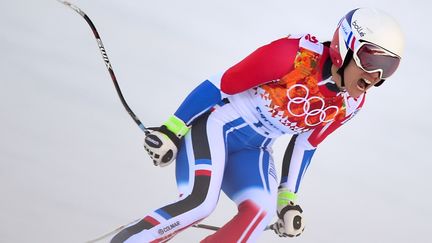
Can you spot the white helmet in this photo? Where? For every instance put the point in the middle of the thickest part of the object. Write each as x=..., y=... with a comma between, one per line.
x=374, y=37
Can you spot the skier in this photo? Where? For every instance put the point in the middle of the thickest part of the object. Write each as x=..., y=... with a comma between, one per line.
x=222, y=133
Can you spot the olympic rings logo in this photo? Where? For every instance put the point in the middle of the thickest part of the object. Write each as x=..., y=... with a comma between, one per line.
x=303, y=105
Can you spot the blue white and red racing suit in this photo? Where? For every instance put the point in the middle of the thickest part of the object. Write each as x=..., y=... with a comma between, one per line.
x=281, y=88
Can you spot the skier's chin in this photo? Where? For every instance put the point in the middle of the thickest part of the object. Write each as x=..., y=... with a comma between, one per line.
x=355, y=92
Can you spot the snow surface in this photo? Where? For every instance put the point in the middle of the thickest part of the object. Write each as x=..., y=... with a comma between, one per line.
x=72, y=165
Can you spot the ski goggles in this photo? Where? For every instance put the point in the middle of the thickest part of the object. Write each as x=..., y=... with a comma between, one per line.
x=372, y=58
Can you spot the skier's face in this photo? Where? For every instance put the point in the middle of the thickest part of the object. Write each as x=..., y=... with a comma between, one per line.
x=357, y=81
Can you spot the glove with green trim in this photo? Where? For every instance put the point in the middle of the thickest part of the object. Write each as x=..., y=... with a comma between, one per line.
x=290, y=222
x=162, y=144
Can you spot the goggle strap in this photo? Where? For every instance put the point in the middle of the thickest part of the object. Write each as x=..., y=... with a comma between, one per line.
x=341, y=70
x=379, y=83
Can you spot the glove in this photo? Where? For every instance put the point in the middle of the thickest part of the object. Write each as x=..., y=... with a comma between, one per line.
x=290, y=222
x=162, y=144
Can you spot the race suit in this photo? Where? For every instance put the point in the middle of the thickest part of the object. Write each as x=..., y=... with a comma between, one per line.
x=284, y=87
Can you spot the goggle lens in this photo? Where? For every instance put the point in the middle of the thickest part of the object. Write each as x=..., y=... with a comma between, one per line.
x=372, y=58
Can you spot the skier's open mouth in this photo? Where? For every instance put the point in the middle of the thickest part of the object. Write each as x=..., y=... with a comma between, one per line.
x=363, y=84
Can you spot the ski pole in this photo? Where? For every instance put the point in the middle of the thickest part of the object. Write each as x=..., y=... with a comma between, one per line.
x=120, y=228
x=107, y=63
x=215, y=228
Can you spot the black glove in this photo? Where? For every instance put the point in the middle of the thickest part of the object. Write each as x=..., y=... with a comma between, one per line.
x=163, y=143
x=290, y=222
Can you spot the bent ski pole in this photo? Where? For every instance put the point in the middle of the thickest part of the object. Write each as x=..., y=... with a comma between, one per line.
x=108, y=64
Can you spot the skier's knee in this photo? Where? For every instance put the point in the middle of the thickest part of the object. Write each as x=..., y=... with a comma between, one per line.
x=207, y=207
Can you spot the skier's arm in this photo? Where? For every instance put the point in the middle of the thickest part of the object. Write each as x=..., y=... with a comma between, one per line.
x=299, y=153
x=266, y=64
x=301, y=148
x=296, y=160
x=200, y=100
x=295, y=163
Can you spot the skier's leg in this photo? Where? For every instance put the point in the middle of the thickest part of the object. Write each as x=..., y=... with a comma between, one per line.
x=250, y=181
x=200, y=170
